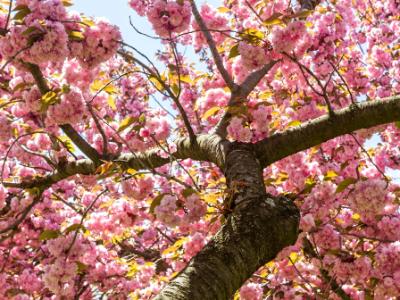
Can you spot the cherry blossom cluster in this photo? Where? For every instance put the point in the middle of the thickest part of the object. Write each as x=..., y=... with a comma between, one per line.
x=46, y=33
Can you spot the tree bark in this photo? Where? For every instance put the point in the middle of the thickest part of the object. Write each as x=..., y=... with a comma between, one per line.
x=314, y=132
x=259, y=227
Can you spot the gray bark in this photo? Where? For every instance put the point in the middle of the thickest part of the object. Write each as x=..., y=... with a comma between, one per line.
x=259, y=227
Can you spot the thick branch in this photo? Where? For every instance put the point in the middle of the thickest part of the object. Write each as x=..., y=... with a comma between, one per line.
x=206, y=148
x=257, y=230
x=355, y=117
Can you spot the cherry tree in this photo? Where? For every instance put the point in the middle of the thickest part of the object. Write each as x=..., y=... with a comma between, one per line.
x=261, y=166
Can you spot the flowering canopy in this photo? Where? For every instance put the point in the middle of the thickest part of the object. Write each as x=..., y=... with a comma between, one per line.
x=116, y=171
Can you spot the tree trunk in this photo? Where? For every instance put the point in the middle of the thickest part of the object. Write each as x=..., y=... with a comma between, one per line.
x=259, y=227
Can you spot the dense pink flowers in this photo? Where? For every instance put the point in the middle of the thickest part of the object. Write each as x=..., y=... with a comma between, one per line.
x=251, y=291
x=369, y=198
x=165, y=212
x=49, y=34
x=99, y=44
x=288, y=38
x=5, y=132
x=169, y=17
x=196, y=208
x=70, y=109
x=254, y=57
x=239, y=132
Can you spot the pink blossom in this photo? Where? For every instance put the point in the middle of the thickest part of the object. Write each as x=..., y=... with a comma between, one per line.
x=100, y=43
x=251, y=291
x=168, y=17
x=70, y=109
x=238, y=132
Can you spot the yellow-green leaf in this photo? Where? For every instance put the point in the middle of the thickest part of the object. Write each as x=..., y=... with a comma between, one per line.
x=275, y=19
x=157, y=84
x=76, y=35
x=330, y=175
x=49, y=235
x=186, y=79
x=234, y=51
x=48, y=99
x=294, y=123
x=345, y=183
x=212, y=111
x=156, y=202
x=223, y=9
x=67, y=3
x=293, y=257
x=111, y=102
x=67, y=143
x=125, y=123
x=23, y=11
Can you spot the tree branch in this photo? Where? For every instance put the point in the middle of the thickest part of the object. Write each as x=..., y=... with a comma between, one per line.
x=213, y=48
x=83, y=145
x=171, y=94
x=206, y=148
x=239, y=95
x=257, y=229
x=314, y=132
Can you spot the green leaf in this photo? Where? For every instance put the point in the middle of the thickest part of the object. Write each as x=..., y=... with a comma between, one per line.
x=49, y=235
x=345, y=183
x=212, y=111
x=30, y=30
x=397, y=124
x=23, y=11
x=234, y=51
x=125, y=123
x=81, y=267
x=187, y=192
x=156, y=202
x=48, y=99
x=35, y=38
x=75, y=227
x=302, y=14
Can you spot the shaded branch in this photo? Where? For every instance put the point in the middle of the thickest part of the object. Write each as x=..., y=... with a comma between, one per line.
x=314, y=132
x=206, y=148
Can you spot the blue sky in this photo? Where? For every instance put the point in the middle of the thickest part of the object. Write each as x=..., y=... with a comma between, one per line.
x=118, y=12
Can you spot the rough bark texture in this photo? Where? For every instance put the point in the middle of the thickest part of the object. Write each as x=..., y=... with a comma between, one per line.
x=319, y=130
x=259, y=227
